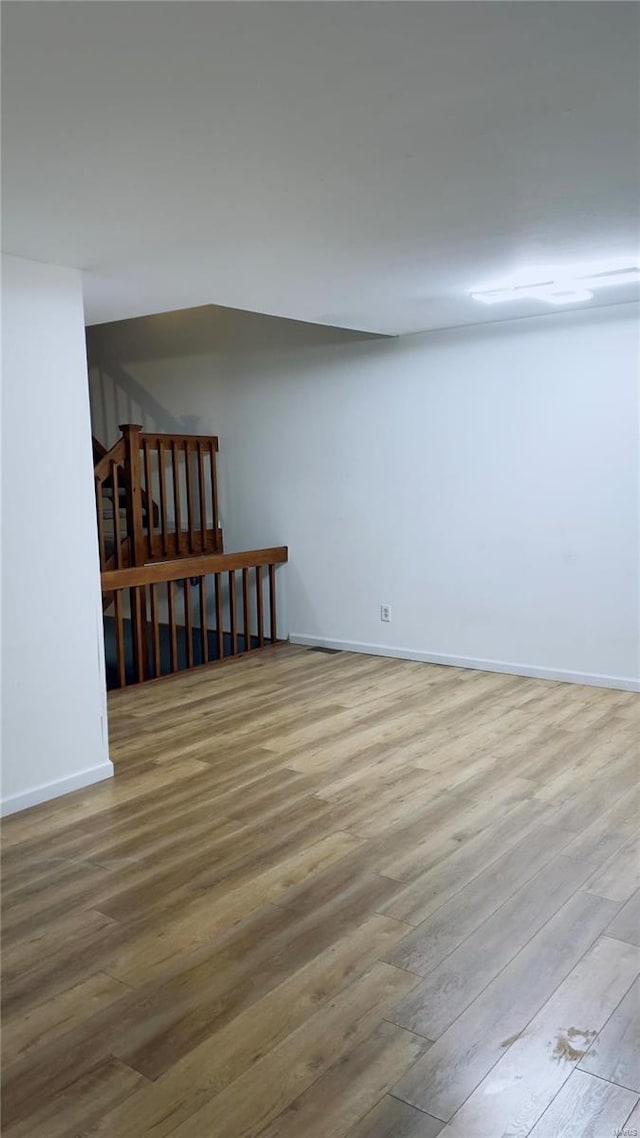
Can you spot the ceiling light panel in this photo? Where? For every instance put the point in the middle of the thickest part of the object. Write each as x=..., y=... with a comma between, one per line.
x=566, y=287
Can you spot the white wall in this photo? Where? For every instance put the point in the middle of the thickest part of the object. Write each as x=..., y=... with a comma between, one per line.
x=53, y=713
x=484, y=482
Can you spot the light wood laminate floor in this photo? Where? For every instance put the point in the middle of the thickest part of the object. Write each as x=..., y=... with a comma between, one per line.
x=331, y=895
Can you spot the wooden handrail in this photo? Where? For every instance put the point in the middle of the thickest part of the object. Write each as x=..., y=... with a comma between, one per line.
x=102, y=469
x=158, y=436
x=192, y=567
x=178, y=601
x=172, y=616
x=99, y=450
x=114, y=466
x=170, y=487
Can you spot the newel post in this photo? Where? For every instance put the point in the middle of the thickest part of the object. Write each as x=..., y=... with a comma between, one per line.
x=137, y=545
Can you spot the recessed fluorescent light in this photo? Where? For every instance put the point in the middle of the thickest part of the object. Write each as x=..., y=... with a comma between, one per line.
x=564, y=288
x=563, y=294
x=497, y=295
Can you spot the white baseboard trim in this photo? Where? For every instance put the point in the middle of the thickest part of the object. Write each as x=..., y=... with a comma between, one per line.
x=620, y=683
x=48, y=790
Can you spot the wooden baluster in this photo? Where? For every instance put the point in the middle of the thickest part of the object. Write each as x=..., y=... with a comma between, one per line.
x=217, y=532
x=116, y=514
x=157, y=657
x=232, y=612
x=272, y=604
x=147, y=630
x=137, y=545
x=102, y=543
x=164, y=519
x=259, y=605
x=149, y=493
x=139, y=629
x=204, y=620
x=246, y=610
x=188, y=621
x=172, y=626
x=120, y=642
x=202, y=496
x=188, y=462
x=175, y=458
x=219, y=620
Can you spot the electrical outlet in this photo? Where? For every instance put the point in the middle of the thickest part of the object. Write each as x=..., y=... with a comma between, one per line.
x=385, y=612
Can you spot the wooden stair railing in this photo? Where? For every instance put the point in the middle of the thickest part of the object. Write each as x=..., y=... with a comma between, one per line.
x=99, y=450
x=175, y=616
x=168, y=484
x=179, y=472
x=110, y=477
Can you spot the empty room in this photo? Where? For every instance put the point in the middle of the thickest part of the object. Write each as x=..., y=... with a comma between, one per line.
x=320, y=569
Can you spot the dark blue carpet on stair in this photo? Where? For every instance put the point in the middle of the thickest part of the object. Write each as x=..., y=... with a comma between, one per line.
x=165, y=649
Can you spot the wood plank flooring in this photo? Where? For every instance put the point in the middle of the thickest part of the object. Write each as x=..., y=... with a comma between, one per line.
x=333, y=896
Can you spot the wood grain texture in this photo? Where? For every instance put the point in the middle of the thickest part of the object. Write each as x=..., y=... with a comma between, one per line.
x=619, y=877
x=626, y=925
x=585, y=1108
x=339, y=1098
x=266, y=1089
x=331, y=896
x=615, y=1052
x=452, y=923
x=535, y=1067
x=192, y=567
x=452, y=984
x=465, y=1053
x=77, y=1105
x=392, y=1118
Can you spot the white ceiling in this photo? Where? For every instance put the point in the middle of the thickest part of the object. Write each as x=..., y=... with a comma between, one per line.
x=359, y=164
